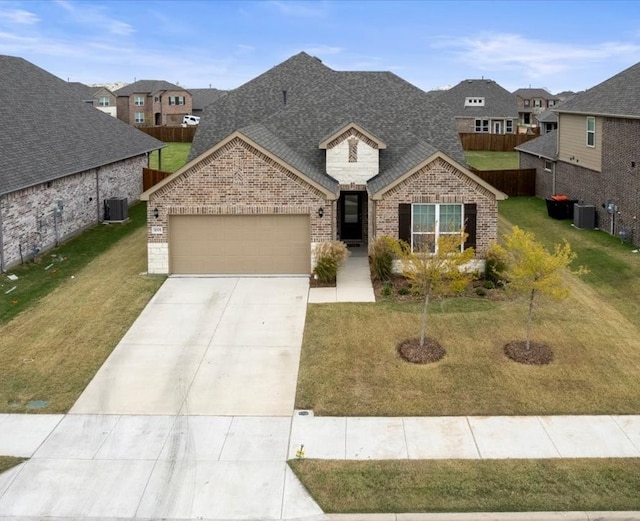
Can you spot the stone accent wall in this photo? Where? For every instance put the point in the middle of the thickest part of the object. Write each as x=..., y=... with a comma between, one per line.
x=339, y=166
x=438, y=182
x=236, y=179
x=40, y=217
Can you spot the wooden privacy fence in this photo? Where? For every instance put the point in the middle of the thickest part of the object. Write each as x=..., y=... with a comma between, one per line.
x=514, y=183
x=151, y=177
x=171, y=134
x=494, y=142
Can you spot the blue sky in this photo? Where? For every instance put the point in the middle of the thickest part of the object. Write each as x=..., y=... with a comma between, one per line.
x=558, y=45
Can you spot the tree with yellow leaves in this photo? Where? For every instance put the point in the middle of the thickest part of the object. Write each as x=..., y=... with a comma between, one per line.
x=531, y=270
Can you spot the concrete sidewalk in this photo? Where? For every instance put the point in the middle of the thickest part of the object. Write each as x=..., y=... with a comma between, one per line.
x=353, y=282
x=470, y=437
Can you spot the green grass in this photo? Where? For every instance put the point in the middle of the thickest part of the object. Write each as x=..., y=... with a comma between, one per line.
x=349, y=364
x=492, y=160
x=63, y=262
x=174, y=156
x=471, y=485
x=614, y=268
x=7, y=462
x=72, y=318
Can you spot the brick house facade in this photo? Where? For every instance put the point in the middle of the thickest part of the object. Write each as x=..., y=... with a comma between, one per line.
x=41, y=216
x=153, y=103
x=327, y=151
x=593, y=157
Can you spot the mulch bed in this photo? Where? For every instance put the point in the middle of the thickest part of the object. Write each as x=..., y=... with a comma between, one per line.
x=411, y=351
x=315, y=283
x=537, y=354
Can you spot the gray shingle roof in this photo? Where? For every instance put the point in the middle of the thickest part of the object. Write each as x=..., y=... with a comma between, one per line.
x=318, y=101
x=534, y=93
x=544, y=146
x=203, y=97
x=547, y=116
x=147, y=87
x=498, y=101
x=617, y=96
x=48, y=133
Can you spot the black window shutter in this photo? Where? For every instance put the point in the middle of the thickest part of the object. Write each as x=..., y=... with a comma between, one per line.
x=470, y=211
x=404, y=222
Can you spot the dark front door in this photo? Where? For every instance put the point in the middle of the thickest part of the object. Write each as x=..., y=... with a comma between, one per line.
x=351, y=216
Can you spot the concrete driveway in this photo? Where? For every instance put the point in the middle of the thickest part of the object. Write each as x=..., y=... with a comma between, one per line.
x=189, y=418
x=207, y=346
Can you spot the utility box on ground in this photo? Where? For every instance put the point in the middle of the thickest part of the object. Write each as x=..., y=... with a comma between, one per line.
x=584, y=216
x=116, y=209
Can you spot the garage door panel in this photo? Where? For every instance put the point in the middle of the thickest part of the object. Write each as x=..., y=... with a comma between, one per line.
x=236, y=244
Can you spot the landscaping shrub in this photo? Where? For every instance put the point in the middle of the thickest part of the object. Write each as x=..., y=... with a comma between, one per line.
x=496, y=264
x=382, y=254
x=329, y=256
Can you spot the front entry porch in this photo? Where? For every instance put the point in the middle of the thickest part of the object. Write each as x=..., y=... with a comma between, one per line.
x=353, y=218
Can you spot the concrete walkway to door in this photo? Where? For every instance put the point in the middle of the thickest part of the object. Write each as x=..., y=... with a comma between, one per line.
x=353, y=283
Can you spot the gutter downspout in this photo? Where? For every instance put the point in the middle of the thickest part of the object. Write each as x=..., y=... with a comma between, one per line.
x=1, y=240
x=98, y=194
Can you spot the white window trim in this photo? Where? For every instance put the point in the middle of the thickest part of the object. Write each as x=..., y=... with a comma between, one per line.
x=481, y=125
x=437, y=231
x=593, y=132
x=138, y=99
x=474, y=102
x=136, y=117
x=550, y=169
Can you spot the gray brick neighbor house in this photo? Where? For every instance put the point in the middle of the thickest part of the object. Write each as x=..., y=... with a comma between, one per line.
x=594, y=155
x=60, y=158
x=304, y=154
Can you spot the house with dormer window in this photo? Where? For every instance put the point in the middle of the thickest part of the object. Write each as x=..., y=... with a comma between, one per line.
x=303, y=154
x=481, y=106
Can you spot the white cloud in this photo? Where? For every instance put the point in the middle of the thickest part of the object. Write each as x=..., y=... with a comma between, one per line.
x=90, y=15
x=299, y=9
x=535, y=59
x=18, y=16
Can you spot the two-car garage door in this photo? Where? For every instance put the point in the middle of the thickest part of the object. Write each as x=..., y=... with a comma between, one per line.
x=239, y=244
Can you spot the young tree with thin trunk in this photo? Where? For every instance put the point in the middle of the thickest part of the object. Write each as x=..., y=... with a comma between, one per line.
x=531, y=270
x=438, y=271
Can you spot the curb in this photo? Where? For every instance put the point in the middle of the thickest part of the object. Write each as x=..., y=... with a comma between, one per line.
x=493, y=516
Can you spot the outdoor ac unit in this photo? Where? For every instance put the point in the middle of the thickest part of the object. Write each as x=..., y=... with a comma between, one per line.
x=116, y=209
x=584, y=216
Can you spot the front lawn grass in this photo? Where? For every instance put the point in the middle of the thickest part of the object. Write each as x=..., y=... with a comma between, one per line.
x=492, y=160
x=7, y=462
x=350, y=367
x=174, y=156
x=471, y=485
x=68, y=327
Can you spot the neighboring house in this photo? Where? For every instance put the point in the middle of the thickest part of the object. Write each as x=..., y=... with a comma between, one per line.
x=100, y=97
x=548, y=121
x=153, y=103
x=203, y=98
x=532, y=103
x=59, y=160
x=595, y=156
x=482, y=106
x=304, y=154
